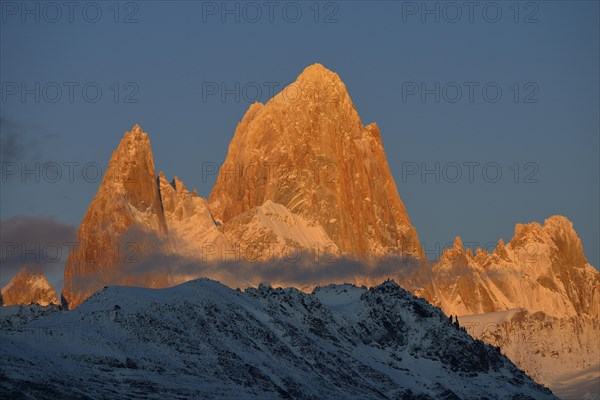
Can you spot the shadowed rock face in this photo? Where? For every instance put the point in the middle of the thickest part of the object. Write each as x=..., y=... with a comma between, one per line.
x=124, y=220
x=28, y=287
x=308, y=150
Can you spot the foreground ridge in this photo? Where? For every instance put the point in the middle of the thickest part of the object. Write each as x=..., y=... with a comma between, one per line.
x=341, y=341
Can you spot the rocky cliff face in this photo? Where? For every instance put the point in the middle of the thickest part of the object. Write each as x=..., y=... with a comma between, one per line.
x=307, y=150
x=123, y=223
x=29, y=287
x=542, y=268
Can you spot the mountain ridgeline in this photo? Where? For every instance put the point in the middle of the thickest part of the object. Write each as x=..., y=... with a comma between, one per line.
x=302, y=175
x=304, y=198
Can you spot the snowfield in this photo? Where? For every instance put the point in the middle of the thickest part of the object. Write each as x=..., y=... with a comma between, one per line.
x=204, y=340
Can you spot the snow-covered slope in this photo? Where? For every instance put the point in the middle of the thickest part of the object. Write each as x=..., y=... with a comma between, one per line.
x=28, y=287
x=271, y=232
x=204, y=340
x=536, y=297
x=562, y=353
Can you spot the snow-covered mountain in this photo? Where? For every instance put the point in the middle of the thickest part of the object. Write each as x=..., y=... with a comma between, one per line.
x=204, y=340
x=303, y=176
x=536, y=297
x=29, y=286
x=562, y=353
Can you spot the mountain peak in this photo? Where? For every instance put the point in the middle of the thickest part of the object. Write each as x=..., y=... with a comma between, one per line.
x=309, y=131
x=137, y=131
x=127, y=203
x=27, y=287
x=317, y=86
x=558, y=223
x=317, y=72
x=557, y=230
x=458, y=244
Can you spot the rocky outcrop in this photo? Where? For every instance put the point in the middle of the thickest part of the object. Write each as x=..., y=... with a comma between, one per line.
x=29, y=287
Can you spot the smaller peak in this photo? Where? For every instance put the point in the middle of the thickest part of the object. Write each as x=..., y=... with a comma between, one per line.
x=373, y=130
x=136, y=133
x=316, y=68
x=500, y=250
x=136, y=130
x=558, y=221
x=163, y=182
x=178, y=184
x=458, y=244
x=521, y=230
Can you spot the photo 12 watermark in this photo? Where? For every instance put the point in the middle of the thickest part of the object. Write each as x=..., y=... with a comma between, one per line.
x=469, y=92
x=470, y=12
x=262, y=91
x=70, y=92
x=270, y=12
x=526, y=172
x=69, y=12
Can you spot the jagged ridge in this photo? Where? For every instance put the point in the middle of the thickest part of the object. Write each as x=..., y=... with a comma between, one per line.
x=340, y=342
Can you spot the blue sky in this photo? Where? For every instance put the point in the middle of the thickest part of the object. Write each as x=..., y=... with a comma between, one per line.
x=153, y=60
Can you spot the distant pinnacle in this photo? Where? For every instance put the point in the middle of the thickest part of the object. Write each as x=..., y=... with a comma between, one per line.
x=458, y=244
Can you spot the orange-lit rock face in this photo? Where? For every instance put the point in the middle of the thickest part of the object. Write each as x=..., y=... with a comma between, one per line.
x=192, y=229
x=308, y=150
x=542, y=268
x=124, y=221
x=29, y=287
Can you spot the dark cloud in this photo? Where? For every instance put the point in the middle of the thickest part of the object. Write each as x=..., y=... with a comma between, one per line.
x=39, y=242
x=145, y=260
x=19, y=145
x=302, y=270
x=13, y=147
